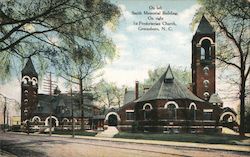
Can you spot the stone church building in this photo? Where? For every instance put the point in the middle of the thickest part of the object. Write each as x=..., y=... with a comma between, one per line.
x=169, y=106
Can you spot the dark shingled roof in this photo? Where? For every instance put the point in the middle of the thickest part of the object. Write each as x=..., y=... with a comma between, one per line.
x=129, y=96
x=61, y=105
x=29, y=68
x=204, y=27
x=167, y=87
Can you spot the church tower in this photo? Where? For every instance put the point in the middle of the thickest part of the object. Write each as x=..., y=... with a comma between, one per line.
x=29, y=88
x=203, y=60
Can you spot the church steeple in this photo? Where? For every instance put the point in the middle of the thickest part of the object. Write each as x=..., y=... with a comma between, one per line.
x=204, y=27
x=203, y=60
x=29, y=68
x=29, y=88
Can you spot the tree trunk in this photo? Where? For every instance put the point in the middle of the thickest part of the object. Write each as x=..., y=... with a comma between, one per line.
x=81, y=103
x=242, y=106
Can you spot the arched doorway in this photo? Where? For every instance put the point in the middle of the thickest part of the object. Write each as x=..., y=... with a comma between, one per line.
x=54, y=121
x=227, y=117
x=112, y=120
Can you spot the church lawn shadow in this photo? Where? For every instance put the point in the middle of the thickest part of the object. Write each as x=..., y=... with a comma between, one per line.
x=77, y=132
x=195, y=138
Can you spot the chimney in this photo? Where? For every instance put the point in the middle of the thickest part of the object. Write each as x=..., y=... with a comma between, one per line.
x=136, y=89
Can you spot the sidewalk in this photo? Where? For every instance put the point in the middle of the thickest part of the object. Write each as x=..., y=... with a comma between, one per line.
x=110, y=132
x=222, y=147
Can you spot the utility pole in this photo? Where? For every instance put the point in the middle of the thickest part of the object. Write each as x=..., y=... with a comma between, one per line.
x=50, y=95
x=49, y=87
x=4, y=113
x=72, y=114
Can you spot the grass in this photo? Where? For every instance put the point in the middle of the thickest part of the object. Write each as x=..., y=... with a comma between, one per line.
x=195, y=138
x=77, y=132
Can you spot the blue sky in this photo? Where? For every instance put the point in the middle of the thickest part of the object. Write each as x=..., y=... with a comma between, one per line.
x=140, y=51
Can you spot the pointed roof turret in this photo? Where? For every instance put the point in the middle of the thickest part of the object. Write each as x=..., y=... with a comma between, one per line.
x=167, y=87
x=215, y=98
x=204, y=27
x=169, y=75
x=29, y=68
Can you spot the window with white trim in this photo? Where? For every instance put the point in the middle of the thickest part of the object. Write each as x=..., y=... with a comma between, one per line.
x=171, y=110
x=205, y=50
x=147, y=111
x=208, y=114
x=192, y=112
x=130, y=115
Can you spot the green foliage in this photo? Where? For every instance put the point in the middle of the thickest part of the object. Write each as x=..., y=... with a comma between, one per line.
x=108, y=94
x=47, y=29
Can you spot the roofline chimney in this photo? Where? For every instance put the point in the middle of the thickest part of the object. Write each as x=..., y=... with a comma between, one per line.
x=136, y=89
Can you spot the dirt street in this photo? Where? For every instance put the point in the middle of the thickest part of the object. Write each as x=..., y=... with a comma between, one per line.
x=42, y=146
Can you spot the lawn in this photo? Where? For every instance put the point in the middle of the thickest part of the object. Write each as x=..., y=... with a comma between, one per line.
x=195, y=138
x=77, y=132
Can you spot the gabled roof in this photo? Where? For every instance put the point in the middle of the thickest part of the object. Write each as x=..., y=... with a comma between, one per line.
x=29, y=68
x=204, y=27
x=215, y=98
x=51, y=103
x=128, y=97
x=164, y=89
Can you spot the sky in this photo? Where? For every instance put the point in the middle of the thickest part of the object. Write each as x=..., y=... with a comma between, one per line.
x=142, y=50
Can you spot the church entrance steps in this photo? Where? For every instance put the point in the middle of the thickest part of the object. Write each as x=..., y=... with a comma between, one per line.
x=110, y=132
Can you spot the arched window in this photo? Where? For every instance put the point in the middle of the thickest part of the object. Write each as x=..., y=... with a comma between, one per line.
x=171, y=111
x=192, y=109
x=26, y=92
x=206, y=82
x=206, y=95
x=147, y=111
x=34, y=81
x=65, y=121
x=26, y=101
x=205, y=50
x=171, y=107
x=206, y=69
x=25, y=79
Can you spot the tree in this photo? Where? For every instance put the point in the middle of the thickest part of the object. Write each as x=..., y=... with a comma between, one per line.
x=78, y=68
x=33, y=28
x=108, y=94
x=231, y=22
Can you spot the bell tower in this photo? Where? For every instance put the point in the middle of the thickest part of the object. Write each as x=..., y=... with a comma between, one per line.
x=29, y=88
x=203, y=60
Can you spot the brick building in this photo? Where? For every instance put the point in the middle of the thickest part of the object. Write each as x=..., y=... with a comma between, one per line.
x=169, y=106
x=63, y=107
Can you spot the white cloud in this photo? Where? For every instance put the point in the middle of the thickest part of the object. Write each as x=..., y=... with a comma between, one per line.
x=131, y=28
x=186, y=16
x=125, y=13
x=12, y=90
x=119, y=37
